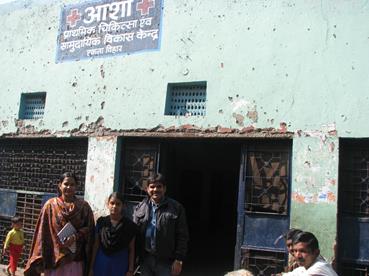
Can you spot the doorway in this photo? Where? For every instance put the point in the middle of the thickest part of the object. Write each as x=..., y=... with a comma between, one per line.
x=353, y=208
x=203, y=176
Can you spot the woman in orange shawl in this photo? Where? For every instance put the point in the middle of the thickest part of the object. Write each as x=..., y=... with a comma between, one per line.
x=70, y=256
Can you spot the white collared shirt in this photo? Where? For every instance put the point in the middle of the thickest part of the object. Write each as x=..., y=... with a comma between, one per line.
x=319, y=268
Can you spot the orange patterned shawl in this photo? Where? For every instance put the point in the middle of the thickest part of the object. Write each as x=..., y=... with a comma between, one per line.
x=46, y=251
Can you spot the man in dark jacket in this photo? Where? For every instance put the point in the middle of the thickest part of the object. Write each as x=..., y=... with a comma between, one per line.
x=163, y=231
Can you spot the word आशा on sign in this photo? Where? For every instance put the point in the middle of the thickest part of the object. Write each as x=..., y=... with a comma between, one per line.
x=106, y=28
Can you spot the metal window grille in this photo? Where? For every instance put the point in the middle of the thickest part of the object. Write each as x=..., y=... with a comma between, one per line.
x=267, y=181
x=28, y=209
x=353, y=211
x=32, y=105
x=355, y=187
x=354, y=270
x=140, y=162
x=262, y=262
x=36, y=164
x=186, y=99
x=31, y=168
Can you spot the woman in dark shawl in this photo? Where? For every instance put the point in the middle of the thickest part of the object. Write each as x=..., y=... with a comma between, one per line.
x=53, y=255
x=115, y=242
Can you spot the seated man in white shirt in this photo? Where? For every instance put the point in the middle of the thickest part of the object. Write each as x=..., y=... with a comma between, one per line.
x=307, y=254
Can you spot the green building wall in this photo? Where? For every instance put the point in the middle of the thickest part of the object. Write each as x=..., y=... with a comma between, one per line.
x=297, y=66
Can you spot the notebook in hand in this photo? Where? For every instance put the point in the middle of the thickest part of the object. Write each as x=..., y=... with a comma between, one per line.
x=67, y=231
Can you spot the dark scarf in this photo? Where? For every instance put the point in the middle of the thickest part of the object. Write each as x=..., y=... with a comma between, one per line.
x=115, y=238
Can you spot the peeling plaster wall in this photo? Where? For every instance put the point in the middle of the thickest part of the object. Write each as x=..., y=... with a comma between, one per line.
x=100, y=172
x=298, y=66
x=314, y=187
x=265, y=63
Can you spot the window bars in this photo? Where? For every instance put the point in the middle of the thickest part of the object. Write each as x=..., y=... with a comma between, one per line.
x=140, y=162
x=186, y=99
x=32, y=105
x=262, y=262
x=267, y=178
x=35, y=165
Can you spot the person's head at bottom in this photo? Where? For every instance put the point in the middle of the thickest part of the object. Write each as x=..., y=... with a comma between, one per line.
x=289, y=237
x=305, y=249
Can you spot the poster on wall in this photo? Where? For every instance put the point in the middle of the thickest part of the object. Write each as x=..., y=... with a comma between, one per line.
x=107, y=28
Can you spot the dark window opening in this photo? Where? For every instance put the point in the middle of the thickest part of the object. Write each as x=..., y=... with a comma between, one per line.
x=186, y=99
x=32, y=105
x=353, y=207
x=203, y=176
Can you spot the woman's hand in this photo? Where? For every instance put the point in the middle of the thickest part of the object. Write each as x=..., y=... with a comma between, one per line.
x=69, y=241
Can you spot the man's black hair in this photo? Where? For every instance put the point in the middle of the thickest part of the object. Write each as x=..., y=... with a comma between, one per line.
x=290, y=234
x=308, y=238
x=157, y=178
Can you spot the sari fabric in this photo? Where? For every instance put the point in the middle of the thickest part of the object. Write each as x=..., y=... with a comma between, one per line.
x=70, y=269
x=47, y=252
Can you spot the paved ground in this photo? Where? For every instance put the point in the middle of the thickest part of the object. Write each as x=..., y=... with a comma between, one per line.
x=19, y=272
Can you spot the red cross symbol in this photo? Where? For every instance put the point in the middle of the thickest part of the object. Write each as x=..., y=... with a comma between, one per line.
x=144, y=6
x=73, y=18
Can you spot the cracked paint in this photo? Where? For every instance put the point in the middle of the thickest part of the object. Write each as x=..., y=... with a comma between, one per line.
x=102, y=72
x=100, y=171
x=239, y=119
x=315, y=180
x=253, y=115
x=283, y=127
x=98, y=128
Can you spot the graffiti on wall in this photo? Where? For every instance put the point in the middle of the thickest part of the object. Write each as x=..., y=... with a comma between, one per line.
x=108, y=28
